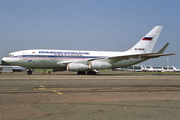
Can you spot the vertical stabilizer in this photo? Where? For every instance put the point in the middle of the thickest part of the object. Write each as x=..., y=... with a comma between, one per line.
x=174, y=68
x=162, y=69
x=146, y=44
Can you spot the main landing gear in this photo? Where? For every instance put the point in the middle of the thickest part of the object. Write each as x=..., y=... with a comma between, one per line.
x=81, y=73
x=29, y=72
x=90, y=72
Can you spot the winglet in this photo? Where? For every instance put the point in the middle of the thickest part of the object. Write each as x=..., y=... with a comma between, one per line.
x=163, y=49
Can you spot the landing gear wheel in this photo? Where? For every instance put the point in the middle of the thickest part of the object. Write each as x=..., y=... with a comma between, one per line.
x=81, y=73
x=91, y=73
x=29, y=72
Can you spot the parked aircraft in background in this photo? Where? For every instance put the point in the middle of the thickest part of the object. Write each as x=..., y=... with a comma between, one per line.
x=151, y=69
x=148, y=69
x=155, y=70
x=175, y=69
x=87, y=61
x=18, y=68
x=143, y=69
x=166, y=70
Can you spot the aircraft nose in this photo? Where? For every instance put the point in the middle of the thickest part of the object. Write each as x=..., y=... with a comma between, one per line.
x=4, y=59
x=10, y=60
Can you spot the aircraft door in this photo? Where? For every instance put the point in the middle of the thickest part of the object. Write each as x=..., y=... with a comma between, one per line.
x=24, y=56
x=53, y=57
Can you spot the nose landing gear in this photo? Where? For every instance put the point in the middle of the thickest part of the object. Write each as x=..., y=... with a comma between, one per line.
x=29, y=72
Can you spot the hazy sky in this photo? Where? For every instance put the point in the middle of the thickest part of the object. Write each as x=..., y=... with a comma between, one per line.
x=106, y=25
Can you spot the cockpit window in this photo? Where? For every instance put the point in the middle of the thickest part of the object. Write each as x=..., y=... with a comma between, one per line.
x=10, y=55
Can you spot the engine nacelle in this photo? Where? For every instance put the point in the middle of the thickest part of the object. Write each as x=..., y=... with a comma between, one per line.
x=77, y=67
x=100, y=65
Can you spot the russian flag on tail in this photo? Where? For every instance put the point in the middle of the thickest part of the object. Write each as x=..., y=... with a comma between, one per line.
x=147, y=38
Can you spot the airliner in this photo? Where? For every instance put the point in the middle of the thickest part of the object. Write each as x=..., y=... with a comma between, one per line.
x=175, y=69
x=143, y=69
x=167, y=70
x=156, y=70
x=148, y=69
x=87, y=62
x=140, y=70
x=151, y=69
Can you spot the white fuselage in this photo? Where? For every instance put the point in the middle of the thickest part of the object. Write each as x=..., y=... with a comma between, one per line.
x=52, y=59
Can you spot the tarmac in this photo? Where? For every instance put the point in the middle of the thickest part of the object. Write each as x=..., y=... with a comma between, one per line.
x=106, y=96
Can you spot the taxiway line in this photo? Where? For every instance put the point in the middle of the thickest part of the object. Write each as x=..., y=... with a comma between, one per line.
x=7, y=89
x=43, y=88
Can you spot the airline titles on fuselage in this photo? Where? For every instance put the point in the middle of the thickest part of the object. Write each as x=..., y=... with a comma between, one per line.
x=64, y=53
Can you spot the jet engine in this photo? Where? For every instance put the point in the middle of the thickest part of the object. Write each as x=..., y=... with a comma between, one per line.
x=77, y=67
x=100, y=65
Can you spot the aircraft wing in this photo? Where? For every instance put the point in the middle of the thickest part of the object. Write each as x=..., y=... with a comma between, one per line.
x=159, y=55
x=114, y=59
x=137, y=56
x=147, y=55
